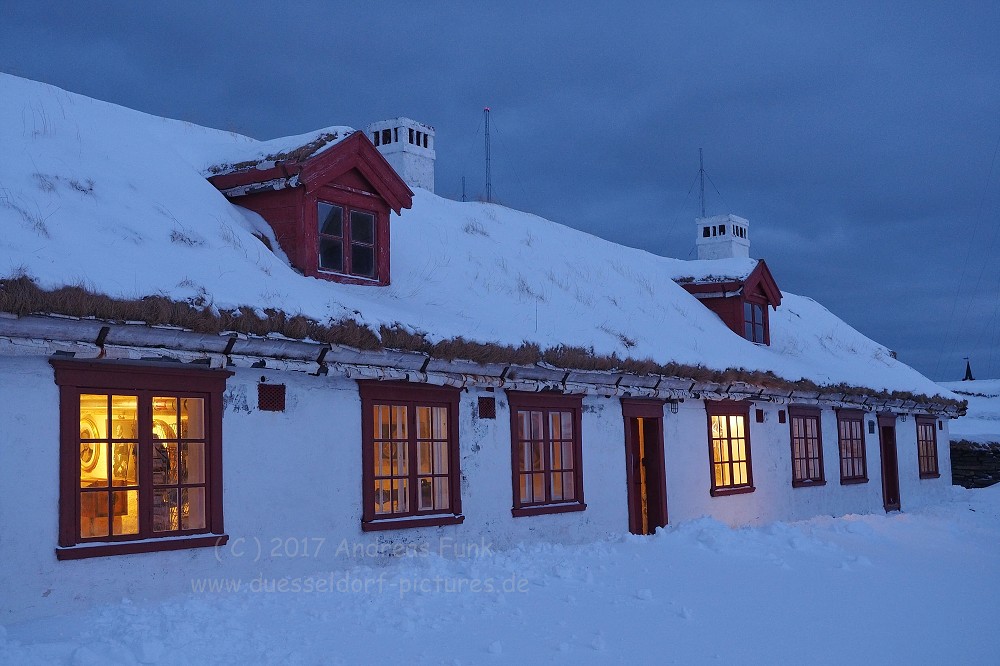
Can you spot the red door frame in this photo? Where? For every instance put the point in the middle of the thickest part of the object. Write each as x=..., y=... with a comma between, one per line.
x=656, y=479
x=890, y=461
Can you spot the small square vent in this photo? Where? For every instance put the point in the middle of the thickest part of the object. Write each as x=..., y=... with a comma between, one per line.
x=271, y=397
x=781, y=416
x=487, y=408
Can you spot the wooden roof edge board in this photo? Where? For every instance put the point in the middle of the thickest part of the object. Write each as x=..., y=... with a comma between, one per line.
x=72, y=330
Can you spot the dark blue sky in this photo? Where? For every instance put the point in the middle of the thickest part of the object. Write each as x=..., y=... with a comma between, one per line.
x=859, y=138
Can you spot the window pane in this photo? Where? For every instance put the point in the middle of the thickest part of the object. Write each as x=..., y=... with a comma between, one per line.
x=554, y=429
x=192, y=418
x=538, y=490
x=569, y=486
x=402, y=504
x=362, y=227
x=736, y=426
x=192, y=508
x=425, y=496
x=537, y=456
x=758, y=333
x=93, y=464
x=330, y=219
x=166, y=510
x=567, y=425
x=423, y=457
x=164, y=463
x=440, y=423
x=525, y=457
x=124, y=410
x=555, y=455
x=399, y=424
x=441, y=499
x=536, y=425
x=125, y=505
x=165, y=417
x=525, y=489
x=382, y=421
x=331, y=254
x=192, y=462
x=556, y=488
x=523, y=426
x=93, y=416
x=363, y=260
x=747, y=312
x=93, y=514
x=124, y=464
x=402, y=461
x=567, y=455
x=423, y=422
x=440, y=457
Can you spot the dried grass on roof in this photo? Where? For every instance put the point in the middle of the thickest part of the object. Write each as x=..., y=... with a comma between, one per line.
x=21, y=296
x=297, y=154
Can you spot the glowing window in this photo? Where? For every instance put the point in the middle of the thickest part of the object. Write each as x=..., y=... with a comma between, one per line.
x=139, y=467
x=807, y=447
x=546, y=453
x=729, y=447
x=410, y=455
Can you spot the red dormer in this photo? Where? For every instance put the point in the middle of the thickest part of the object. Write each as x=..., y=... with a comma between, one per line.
x=329, y=206
x=740, y=301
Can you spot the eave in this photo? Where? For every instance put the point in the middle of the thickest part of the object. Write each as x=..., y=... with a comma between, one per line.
x=48, y=335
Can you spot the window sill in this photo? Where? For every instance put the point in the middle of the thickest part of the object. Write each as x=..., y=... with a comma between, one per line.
x=930, y=475
x=807, y=484
x=88, y=550
x=851, y=482
x=544, y=509
x=409, y=522
x=722, y=492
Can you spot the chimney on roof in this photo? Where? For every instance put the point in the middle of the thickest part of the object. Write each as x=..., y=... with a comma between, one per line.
x=408, y=146
x=723, y=237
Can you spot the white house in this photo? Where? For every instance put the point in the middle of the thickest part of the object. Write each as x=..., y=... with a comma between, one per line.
x=215, y=363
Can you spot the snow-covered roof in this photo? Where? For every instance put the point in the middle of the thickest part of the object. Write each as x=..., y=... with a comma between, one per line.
x=117, y=201
x=735, y=269
x=982, y=422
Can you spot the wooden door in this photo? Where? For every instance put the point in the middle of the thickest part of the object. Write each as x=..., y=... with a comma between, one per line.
x=644, y=466
x=890, y=464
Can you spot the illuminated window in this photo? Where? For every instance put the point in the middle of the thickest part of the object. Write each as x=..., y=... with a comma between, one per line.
x=807, y=447
x=754, y=322
x=729, y=447
x=347, y=240
x=546, y=453
x=139, y=466
x=410, y=455
x=927, y=448
x=851, y=439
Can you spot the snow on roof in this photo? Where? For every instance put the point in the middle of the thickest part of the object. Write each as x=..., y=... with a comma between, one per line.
x=735, y=269
x=264, y=154
x=982, y=422
x=116, y=200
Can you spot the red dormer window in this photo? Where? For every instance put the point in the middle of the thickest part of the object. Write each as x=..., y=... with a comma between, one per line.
x=741, y=302
x=329, y=206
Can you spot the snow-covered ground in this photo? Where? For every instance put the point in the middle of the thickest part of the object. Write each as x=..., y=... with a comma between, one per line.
x=982, y=422
x=911, y=588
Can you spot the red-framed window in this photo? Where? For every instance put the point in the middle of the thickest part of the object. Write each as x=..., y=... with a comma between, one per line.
x=546, y=453
x=755, y=321
x=140, y=457
x=851, y=441
x=729, y=446
x=410, y=455
x=927, y=448
x=807, y=446
x=348, y=240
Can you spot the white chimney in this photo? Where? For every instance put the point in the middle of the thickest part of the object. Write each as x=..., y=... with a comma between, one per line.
x=408, y=146
x=723, y=237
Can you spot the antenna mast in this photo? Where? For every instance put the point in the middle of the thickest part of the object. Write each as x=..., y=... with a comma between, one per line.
x=463, y=188
x=701, y=174
x=489, y=184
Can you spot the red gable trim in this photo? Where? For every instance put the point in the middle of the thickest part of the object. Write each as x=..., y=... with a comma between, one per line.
x=354, y=152
x=761, y=278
